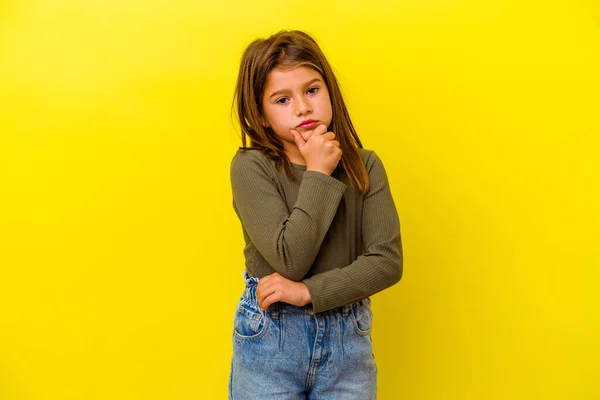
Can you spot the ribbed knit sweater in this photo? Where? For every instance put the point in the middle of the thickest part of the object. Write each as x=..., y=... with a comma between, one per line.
x=319, y=229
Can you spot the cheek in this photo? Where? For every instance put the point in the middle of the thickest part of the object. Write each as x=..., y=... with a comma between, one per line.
x=325, y=102
x=279, y=119
x=271, y=117
x=326, y=106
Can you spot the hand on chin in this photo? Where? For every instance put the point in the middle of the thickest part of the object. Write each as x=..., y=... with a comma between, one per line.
x=306, y=133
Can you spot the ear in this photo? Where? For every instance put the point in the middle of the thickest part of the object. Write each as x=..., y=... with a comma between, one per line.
x=263, y=121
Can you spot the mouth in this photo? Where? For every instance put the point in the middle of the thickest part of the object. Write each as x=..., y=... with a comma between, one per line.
x=308, y=124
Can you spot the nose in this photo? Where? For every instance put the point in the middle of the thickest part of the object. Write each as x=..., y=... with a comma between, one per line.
x=303, y=106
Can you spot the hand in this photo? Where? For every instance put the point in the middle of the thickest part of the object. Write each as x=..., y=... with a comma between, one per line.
x=275, y=287
x=319, y=149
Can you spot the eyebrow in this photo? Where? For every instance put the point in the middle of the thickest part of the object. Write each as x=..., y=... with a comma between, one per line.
x=285, y=90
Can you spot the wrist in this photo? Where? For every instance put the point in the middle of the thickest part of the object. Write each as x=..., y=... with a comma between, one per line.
x=307, y=298
x=323, y=171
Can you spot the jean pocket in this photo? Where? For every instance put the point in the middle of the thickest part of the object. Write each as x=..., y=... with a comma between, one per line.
x=250, y=323
x=362, y=317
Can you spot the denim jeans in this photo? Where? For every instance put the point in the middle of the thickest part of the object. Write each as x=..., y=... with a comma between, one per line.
x=285, y=352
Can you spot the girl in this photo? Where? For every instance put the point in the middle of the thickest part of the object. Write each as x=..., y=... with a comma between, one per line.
x=321, y=230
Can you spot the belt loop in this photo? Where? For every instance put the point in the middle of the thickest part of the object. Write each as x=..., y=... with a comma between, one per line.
x=274, y=310
x=346, y=310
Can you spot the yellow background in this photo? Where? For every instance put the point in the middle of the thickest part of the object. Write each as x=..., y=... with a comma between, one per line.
x=120, y=253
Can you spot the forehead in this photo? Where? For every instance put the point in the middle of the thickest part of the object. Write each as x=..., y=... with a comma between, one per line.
x=290, y=78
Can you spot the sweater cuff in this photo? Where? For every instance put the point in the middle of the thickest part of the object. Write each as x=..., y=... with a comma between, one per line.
x=335, y=183
x=319, y=196
x=319, y=302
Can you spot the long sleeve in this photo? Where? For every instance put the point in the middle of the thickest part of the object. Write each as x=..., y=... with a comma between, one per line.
x=381, y=264
x=288, y=241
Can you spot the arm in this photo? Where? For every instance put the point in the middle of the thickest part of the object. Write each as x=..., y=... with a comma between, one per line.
x=288, y=241
x=380, y=266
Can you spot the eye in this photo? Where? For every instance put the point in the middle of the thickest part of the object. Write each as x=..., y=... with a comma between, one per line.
x=313, y=90
x=282, y=100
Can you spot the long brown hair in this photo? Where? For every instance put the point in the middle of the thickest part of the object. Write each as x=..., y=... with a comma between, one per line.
x=290, y=49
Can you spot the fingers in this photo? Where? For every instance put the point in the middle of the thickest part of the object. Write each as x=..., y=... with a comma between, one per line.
x=320, y=130
x=265, y=288
x=267, y=295
x=300, y=142
x=275, y=287
x=272, y=298
x=262, y=289
x=327, y=139
x=329, y=135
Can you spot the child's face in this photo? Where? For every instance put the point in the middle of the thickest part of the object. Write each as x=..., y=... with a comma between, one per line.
x=292, y=96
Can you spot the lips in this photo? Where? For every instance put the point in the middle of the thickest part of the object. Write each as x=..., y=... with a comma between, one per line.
x=308, y=124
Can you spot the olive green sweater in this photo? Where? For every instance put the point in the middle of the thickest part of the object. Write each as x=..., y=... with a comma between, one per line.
x=318, y=229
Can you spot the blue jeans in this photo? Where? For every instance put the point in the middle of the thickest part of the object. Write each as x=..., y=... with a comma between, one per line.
x=286, y=353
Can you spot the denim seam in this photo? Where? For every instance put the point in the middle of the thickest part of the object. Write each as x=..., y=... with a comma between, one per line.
x=359, y=331
x=311, y=364
x=341, y=319
x=256, y=336
x=281, y=331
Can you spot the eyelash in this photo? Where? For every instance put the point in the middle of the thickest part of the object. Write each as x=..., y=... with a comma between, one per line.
x=315, y=88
